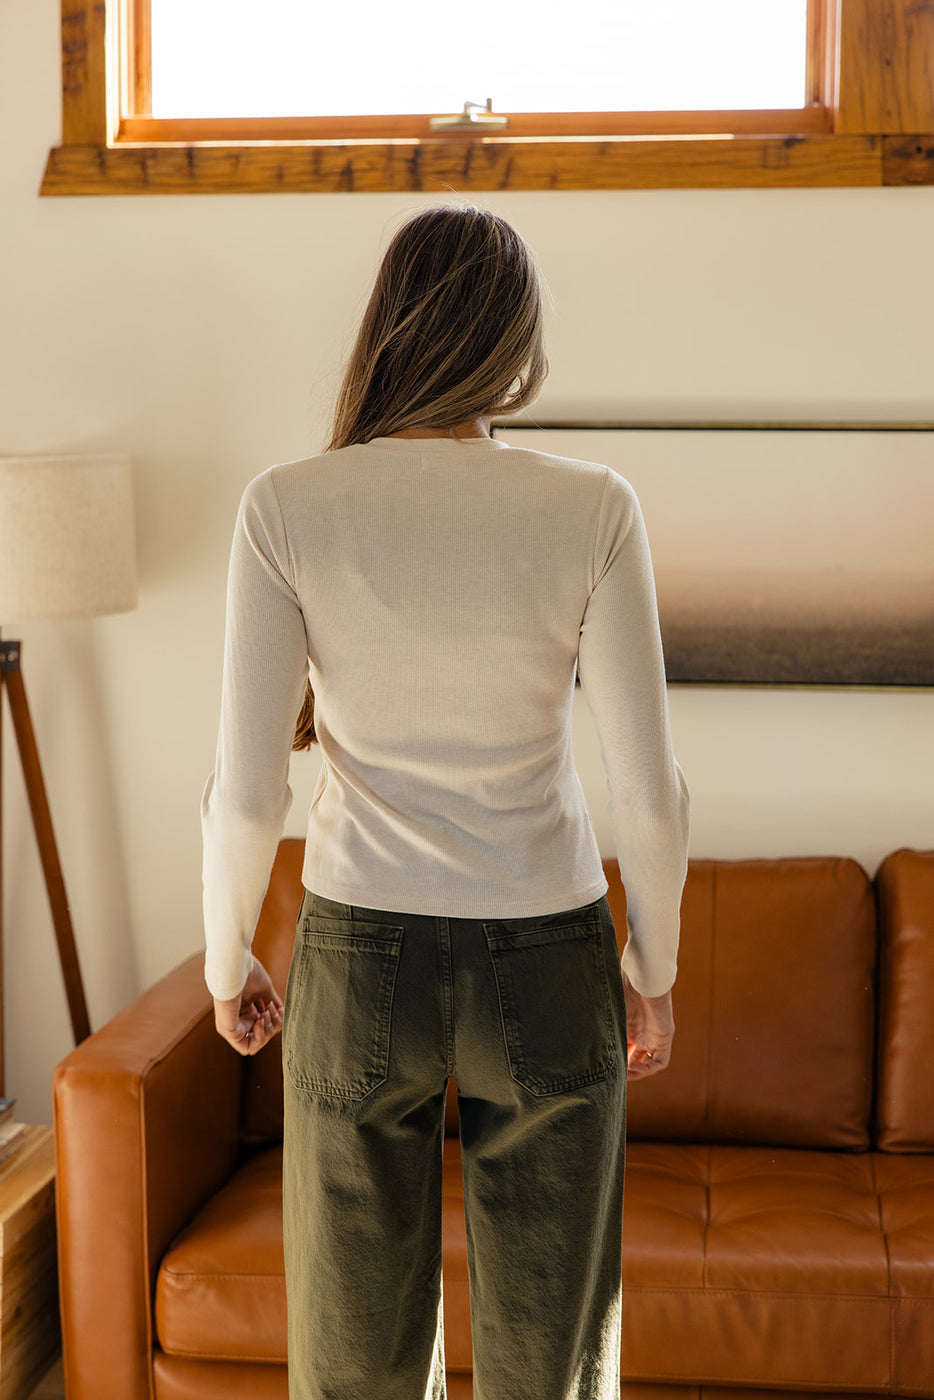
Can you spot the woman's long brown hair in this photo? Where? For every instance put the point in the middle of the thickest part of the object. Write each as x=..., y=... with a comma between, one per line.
x=452, y=332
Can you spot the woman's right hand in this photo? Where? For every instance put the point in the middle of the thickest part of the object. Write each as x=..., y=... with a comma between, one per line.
x=651, y=1029
x=249, y=1021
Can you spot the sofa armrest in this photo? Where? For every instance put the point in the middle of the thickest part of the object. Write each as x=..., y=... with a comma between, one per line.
x=146, y=1129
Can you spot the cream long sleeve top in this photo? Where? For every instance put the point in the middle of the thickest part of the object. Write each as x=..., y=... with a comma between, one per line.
x=440, y=594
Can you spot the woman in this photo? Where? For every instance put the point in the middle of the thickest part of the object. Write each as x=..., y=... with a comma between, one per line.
x=440, y=590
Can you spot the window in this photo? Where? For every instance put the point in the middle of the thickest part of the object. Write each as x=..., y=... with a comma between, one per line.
x=231, y=69
x=215, y=58
x=146, y=110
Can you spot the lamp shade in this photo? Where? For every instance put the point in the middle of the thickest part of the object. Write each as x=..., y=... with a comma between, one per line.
x=67, y=545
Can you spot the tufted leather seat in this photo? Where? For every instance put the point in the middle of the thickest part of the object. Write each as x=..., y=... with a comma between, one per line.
x=779, y=1267
x=779, y=1224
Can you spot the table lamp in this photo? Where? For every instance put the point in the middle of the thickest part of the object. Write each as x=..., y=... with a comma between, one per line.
x=67, y=550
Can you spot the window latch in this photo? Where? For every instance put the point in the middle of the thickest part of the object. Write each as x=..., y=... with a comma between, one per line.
x=474, y=115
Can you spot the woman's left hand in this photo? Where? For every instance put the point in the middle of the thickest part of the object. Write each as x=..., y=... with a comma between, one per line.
x=250, y=1020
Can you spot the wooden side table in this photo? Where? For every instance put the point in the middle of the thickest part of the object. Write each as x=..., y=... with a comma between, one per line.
x=30, y=1334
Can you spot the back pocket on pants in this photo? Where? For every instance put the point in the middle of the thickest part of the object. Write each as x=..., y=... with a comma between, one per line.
x=554, y=1000
x=338, y=1007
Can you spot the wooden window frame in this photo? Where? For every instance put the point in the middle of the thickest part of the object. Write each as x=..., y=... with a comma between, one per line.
x=869, y=122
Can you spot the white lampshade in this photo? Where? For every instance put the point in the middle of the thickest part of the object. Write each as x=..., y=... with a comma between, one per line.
x=67, y=545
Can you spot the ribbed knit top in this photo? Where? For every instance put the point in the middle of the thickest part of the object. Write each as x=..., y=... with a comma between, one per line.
x=441, y=594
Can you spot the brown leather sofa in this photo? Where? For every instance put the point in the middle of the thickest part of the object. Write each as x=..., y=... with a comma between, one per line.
x=779, y=1225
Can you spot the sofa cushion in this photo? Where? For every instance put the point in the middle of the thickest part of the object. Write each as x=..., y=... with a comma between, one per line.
x=206, y=1306
x=905, y=1104
x=772, y=1267
x=261, y=1115
x=773, y=1007
x=763, y=1053
x=778, y=1268
x=177, y=1378
x=262, y=1101
x=220, y=1294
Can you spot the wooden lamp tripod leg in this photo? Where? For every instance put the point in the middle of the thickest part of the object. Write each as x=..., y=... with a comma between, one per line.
x=12, y=682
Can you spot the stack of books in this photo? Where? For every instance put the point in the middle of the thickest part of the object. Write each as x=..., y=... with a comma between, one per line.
x=12, y=1132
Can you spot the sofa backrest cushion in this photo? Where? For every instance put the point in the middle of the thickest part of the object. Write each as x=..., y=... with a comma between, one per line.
x=905, y=1103
x=261, y=1116
x=774, y=1007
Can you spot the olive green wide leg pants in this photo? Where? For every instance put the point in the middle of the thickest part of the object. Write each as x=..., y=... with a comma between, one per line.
x=529, y=1015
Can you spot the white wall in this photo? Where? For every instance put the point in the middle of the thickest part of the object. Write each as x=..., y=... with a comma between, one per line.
x=203, y=335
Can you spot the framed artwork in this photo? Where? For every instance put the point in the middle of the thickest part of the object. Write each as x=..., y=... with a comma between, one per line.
x=783, y=554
